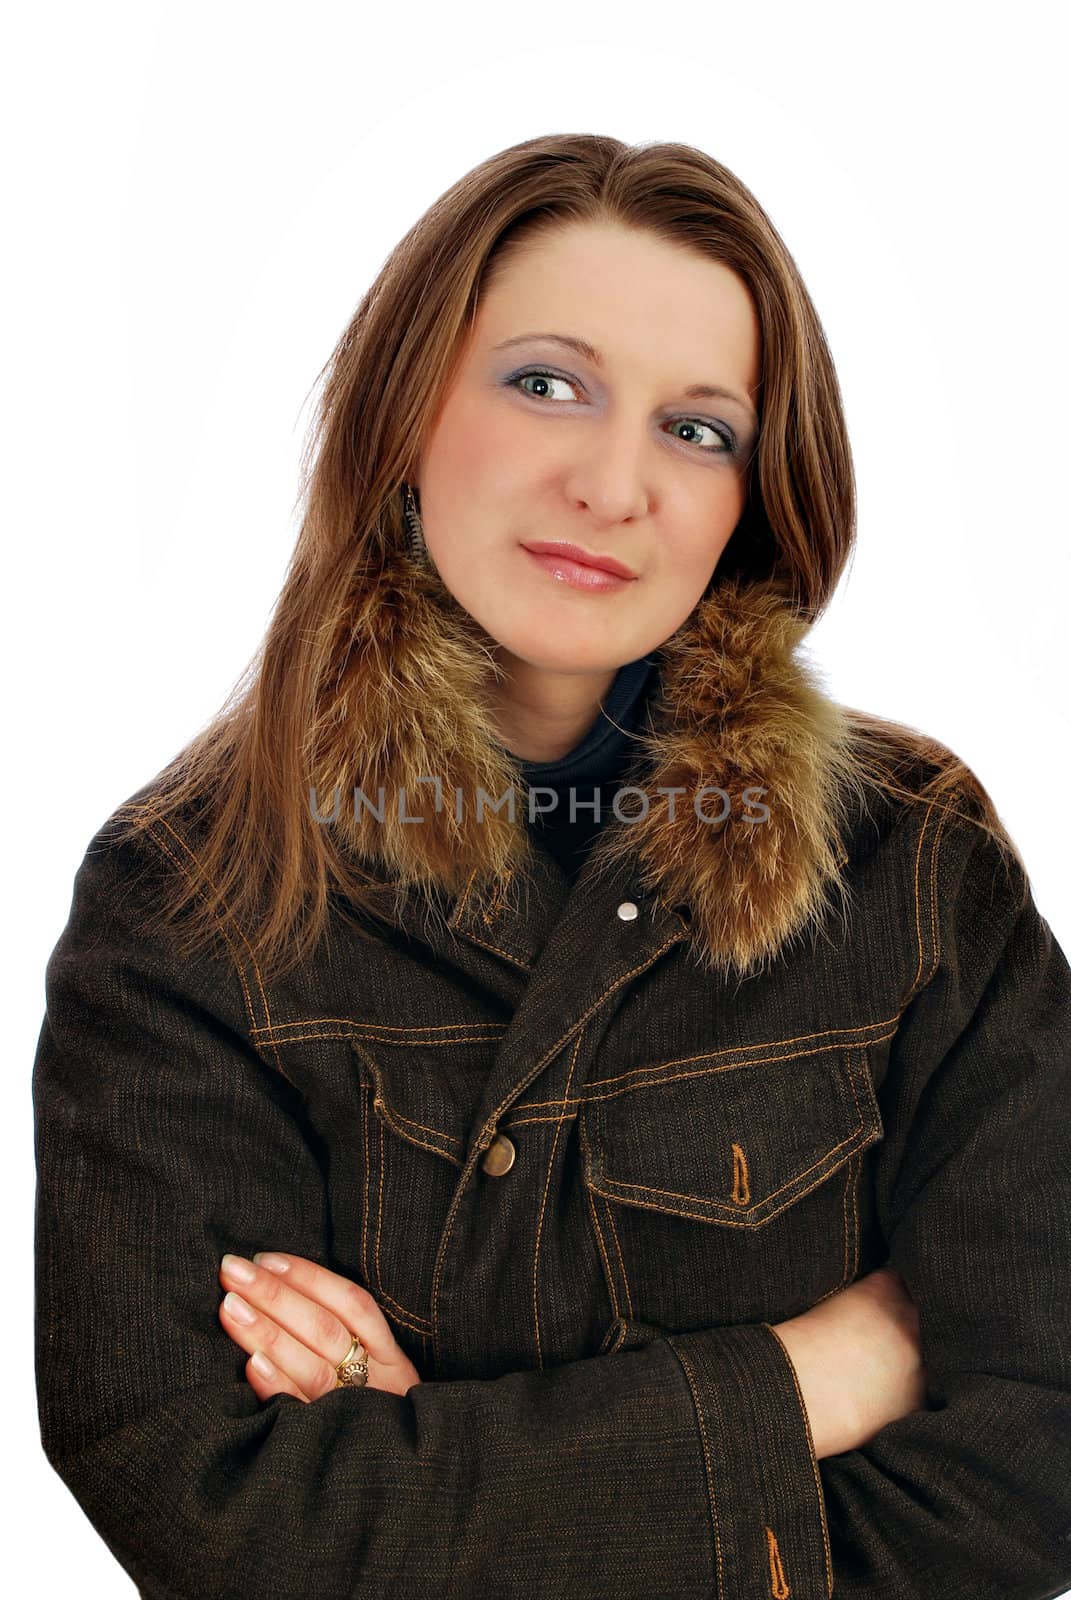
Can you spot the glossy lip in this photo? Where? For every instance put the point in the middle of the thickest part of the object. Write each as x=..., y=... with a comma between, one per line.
x=573, y=552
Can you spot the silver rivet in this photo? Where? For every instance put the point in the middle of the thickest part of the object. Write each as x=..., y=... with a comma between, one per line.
x=628, y=911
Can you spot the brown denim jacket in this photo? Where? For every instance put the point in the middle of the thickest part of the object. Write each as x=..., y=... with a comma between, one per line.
x=583, y=1174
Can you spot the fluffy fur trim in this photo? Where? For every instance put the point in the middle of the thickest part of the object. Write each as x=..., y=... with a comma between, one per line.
x=739, y=716
x=735, y=710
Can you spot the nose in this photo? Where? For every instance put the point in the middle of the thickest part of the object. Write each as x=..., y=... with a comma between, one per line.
x=613, y=476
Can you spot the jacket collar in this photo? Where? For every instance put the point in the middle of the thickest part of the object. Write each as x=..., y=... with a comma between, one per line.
x=733, y=709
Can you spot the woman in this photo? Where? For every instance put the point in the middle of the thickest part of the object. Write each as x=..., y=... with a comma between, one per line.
x=622, y=1093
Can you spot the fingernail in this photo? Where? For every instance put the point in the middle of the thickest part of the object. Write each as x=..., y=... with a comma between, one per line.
x=238, y=1269
x=274, y=1263
x=262, y=1365
x=237, y=1308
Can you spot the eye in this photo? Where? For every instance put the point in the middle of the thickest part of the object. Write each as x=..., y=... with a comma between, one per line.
x=544, y=377
x=726, y=444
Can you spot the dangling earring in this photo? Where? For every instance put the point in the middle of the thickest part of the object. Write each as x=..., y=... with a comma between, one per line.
x=415, y=544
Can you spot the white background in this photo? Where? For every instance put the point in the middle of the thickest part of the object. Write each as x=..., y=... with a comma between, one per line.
x=197, y=196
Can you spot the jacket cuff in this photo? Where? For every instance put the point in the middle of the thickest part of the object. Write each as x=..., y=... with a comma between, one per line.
x=763, y=1481
x=629, y=1333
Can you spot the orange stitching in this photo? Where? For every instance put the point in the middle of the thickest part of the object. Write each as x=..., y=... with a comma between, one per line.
x=617, y=1342
x=552, y=1115
x=810, y=1446
x=383, y=1292
x=779, y=1588
x=769, y=1044
x=401, y=1316
x=935, y=921
x=422, y=1144
x=690, y=1375
x=733, y=1066
x=849, y=1073
x=602, y=1251
x=620, y=1258
x=425, y=1044
x=402, y=1310
x=358, y=1033
x=460, y=908
x=677, y=1194
x=161, y=844
x=497, y=898
x=238, y=929
x=448, y=1228
x=379, y=1217
x=934, y=918
x=581, y=1022
x=366, y=1095
x=238, y=970
x=390, y=1115
x=543, y=1206
x=765, y=1044
x=549, y=1055
x=918, y=920
x=380, y=1027
x=642, y=1188
x=451, y=1138
x=607, y=1268
x=741, y=1184
x=507, y=955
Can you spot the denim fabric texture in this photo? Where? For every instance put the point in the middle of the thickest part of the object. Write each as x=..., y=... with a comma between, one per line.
x=605, y=1412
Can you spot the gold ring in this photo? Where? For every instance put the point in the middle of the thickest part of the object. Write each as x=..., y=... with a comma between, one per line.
x=352, y=1371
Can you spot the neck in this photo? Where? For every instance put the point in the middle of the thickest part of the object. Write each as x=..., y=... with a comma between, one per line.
x=542, y=715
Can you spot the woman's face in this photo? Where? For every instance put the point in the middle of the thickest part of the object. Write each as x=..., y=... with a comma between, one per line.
x=541, y=441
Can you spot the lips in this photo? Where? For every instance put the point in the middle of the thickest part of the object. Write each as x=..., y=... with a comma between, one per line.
x=584, y=558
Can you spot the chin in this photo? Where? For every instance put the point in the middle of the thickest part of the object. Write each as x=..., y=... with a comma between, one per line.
x=534, y=652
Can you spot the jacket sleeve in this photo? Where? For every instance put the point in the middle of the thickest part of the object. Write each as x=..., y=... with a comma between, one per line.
x=970, y=1499
x=164, y=1139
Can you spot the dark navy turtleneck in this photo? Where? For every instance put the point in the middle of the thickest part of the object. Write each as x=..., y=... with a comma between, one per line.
x=595, y=765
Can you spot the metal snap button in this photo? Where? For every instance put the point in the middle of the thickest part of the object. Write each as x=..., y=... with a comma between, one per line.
x=628, y=911
x=499, y=1156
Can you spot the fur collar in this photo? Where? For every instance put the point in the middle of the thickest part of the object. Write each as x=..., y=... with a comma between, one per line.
x=733, y=707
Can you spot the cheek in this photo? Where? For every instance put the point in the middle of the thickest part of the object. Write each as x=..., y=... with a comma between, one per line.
x=476, y=450
x=697, y=537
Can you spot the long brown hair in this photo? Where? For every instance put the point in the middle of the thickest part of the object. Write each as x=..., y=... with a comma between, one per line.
x=247, y=774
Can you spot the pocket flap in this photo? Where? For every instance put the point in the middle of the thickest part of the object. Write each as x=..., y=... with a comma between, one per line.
x=425, y=1082
x=731, y=1144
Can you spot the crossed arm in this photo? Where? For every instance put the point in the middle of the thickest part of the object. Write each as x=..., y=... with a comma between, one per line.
x=686, y=1466
x=857, y=1354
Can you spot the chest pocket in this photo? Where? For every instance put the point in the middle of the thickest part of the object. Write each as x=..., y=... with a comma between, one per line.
x=419, y=1088
x=729, y=1193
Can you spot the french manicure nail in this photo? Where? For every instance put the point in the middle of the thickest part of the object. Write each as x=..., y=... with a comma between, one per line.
x=238, y=1309
x=238, y=1269
x=274, y=1263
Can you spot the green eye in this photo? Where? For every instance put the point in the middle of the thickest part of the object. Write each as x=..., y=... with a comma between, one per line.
x=547, y=377
x=727, y=445
x=728, y=442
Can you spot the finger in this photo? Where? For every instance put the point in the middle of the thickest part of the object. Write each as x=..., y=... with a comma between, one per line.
x=311, y=1324
x=311, y=1373
x=267, y=1380
x=356, y=1310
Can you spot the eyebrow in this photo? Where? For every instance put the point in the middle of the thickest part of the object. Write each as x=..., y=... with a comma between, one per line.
x=697, y=391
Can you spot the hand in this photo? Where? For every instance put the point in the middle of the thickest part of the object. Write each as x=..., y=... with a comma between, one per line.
x=303, y=1316
x=858, y=1359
